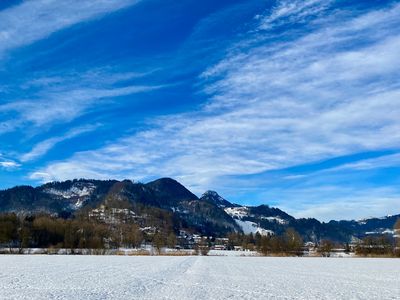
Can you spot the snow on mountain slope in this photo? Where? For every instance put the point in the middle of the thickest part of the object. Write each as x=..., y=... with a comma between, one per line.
x=380, y=231
x=78, y=193
x=77, y=190
x=237, y=212
x=251, y=227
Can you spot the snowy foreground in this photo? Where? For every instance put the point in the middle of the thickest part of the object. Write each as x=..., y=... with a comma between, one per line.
x=161, y=277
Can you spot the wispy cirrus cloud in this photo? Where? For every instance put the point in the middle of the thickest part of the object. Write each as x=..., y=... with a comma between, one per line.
x=272, y=103
x=31, y=21
x=386, y=161
x=294, y=11
x=64, y=106
x=47, y=99
x=8, y=164
x=61, y=99
x=43, y=147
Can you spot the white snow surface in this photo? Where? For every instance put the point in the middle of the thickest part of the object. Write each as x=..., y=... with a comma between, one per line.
x=233, y=253
x=197, y=277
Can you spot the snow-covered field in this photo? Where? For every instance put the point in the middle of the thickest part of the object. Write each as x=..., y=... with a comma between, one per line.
x=161, y=277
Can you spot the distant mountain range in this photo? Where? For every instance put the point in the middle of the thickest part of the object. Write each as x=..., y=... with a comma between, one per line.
x=210, y=214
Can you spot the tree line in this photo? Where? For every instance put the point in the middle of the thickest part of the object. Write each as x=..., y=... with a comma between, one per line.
x=290, y=243
x=46, y=231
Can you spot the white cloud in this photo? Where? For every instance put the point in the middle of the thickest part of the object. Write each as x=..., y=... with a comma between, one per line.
x=386, y=161
x=292, y=11
x=64, y=105
x=63, y=97
x=43, y=147
x=9, y=165
x=31, y=21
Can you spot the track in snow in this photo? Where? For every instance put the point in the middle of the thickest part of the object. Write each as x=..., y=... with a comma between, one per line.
x=157, y=277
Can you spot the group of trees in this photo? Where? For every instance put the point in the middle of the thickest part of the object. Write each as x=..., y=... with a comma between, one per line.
x=290, y=243
x=397, y=238
x=81, y=232
x=49, y=232
x=375, y=246
x=9, y=232
x=382, y=245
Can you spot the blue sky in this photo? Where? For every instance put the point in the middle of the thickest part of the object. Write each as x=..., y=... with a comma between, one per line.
x=295, y=104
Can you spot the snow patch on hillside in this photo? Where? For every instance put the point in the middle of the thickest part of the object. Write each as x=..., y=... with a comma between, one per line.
x=237, y=212
x=381, y=231
x=365, y=220
x=251, y=227
x=74, y=191
x=79, y=203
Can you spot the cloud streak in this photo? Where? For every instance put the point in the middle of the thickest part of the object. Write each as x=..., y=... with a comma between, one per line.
x=61, y=99
x=66, y=105
x=31, y=21
x=9, y=165
x=43, y=147
x=295, y=11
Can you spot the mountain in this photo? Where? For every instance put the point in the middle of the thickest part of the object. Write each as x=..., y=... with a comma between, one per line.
x=371, y=226
x=54, y=197
x=170, y=191
x=213, y=197
x=166, y=201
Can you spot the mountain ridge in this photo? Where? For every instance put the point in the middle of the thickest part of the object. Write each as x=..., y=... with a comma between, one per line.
x=209, y=214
